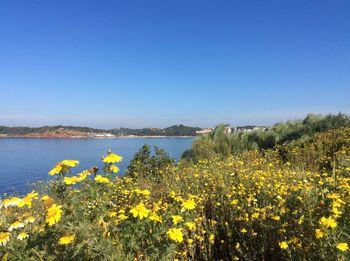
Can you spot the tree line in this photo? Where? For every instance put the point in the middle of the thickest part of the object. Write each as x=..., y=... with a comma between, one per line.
x=175, y=130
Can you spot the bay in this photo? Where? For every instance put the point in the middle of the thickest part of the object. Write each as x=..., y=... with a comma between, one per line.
x=24, y=161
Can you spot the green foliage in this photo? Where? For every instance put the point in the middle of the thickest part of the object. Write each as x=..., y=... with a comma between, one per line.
x=221, y=144
x=180, y=130
x=286, y=203
x=26, y=130
x=321, y=152
x=175, y=130
x=151, y=167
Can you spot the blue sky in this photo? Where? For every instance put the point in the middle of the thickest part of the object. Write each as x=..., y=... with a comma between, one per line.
x=157, y=63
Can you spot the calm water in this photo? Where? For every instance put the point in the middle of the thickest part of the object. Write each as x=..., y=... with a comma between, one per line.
x=24, y=161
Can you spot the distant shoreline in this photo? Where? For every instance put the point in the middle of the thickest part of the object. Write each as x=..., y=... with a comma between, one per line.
x=76, y=132
x=87, y=137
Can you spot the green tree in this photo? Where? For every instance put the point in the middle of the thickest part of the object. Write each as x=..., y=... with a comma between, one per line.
x=145, y=165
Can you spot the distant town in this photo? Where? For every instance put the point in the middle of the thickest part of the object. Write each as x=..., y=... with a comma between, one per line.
x=232, y=129
x=85, y=132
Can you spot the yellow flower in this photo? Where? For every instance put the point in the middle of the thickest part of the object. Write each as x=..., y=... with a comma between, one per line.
x=27, y=200
x=101, y=179
x=65, y=240
x=60, y=166
x=11, y=202
x=4, y=238
x=211, y=239
x=176, y=219
x=29, y=219
x=275, y=218
x=45, y=197
x=122, y=217
x=319, y=233
x=114, y=168
x=255, y=215
x=112, y=158
x=22, y=235
x=80, y=178
x=57, y=169
x=237, y=246
x=54, y=214
x=70, y=163
x=155, y=217
x=283, y=245
x=140, y=211
x=343, y=246
x=84, y=174
x=199, y=238
x=234, y=202
x=16, y=225
x=175, y=234
x=243, y=230
x=70, y=180
x=189, y=204
x=112, y=214
x=144, y=192
x=32, y=195
x=191, y=226
x=328, y=222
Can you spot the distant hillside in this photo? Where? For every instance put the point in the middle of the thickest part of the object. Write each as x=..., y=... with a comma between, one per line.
x=175, y=130
x=73, y=131
x=44, y=129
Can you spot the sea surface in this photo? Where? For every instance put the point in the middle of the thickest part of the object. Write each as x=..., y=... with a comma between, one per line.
x=24, y=161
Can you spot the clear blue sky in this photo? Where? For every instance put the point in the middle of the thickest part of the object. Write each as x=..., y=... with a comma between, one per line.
x=157, y=63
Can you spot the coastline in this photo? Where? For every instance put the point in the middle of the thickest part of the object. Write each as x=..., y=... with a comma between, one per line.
x=89, y=137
